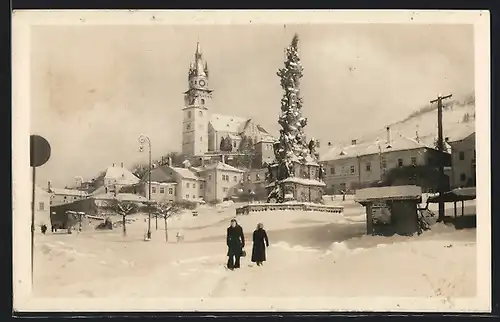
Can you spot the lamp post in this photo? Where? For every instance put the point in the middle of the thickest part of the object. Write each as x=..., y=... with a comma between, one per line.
x=144, y=139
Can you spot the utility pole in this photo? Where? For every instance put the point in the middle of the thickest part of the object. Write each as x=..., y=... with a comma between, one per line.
x=441, y=191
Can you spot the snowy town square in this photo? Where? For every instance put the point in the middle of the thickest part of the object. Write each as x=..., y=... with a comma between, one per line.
x=255, y=161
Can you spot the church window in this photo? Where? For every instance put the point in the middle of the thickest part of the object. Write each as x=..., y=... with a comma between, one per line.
x=202, y=101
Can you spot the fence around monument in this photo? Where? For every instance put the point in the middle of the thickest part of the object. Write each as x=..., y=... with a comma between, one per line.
x=295, y=206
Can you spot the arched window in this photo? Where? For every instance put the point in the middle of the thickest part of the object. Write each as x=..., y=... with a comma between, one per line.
x=202, y=101
x=201, y=112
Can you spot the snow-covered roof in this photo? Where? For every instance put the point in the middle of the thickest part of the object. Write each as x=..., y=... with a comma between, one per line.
x=393, y=192
x=186, y=173
x=221, y=166
x=121, y=174
x=460, y=133
x=68, y=192
x=121, y=196
x=399, y=143
x=227, y=123
x=304, y=181
x=40, y=191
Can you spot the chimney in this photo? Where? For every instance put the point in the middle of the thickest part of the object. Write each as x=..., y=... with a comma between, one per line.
x=49, y=186
x=353, y=142
x=222, y=159
x=186, y=163
x=122, y=164
x=388, y=129
x=169, y=161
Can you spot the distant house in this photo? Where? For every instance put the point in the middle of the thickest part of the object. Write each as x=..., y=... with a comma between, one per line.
x=113, y=179
x=463, y=158
x=42, y=207
x=362, y=164
x=169, y=183
x=222, y=181
x=60, y=196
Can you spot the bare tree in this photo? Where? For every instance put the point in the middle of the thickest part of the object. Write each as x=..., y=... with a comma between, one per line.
x=123, y=208
x=165, y=210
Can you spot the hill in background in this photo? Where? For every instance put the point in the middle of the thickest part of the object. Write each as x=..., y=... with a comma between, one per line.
x=458, y=118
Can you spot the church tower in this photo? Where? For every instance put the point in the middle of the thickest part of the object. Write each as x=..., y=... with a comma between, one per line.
x=197, y=100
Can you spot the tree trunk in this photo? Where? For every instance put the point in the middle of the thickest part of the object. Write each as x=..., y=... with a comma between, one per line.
x=166, y=229
x=124, y=225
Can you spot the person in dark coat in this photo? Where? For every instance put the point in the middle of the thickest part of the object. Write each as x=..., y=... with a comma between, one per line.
x=260, y=242
x=235, y=244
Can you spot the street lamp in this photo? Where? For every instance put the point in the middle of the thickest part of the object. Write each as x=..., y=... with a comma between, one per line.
x=144, y=139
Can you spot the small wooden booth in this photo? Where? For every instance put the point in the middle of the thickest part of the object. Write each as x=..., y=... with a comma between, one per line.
x=391, y=210
x=455, y=195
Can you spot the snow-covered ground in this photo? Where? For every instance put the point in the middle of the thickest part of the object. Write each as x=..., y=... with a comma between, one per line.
x=311, y=254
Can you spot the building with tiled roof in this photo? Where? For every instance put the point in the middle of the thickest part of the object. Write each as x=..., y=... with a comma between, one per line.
x=204, y=133
x=348, y=167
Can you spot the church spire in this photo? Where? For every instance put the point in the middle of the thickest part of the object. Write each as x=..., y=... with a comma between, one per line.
x=199, y=67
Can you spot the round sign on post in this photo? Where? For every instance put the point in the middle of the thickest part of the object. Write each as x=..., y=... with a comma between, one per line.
x=39, y=151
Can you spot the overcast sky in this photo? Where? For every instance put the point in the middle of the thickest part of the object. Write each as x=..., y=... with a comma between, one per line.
x=95, y=89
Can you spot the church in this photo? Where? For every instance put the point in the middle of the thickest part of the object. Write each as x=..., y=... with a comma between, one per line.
x=206, y=135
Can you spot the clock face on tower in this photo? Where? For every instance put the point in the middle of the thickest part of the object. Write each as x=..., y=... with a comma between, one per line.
x=202, y=83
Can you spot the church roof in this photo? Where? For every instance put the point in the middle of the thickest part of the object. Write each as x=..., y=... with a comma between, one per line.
x=227, y=123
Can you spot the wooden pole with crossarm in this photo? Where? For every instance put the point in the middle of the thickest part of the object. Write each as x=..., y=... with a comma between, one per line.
x=440, y=146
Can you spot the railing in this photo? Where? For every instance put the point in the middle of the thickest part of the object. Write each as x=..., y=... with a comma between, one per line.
x=297, y=206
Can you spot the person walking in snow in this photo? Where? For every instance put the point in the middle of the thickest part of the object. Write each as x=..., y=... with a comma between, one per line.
x=235, y=243
x=260, y=242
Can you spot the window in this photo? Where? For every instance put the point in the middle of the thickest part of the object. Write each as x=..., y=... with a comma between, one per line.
x=352, y=169
x=201, y=185
x=462, y=177
x=234, y=144
x=187, y=196
x=225, y=189
x=194, y=197
x=202, y=101
x=201, y=113
x=41, y=206
x=188, y=126
x=368, y=166
x=400, y=162
x=65, y=197
x=170, y=191
x=235, y=190
x=235, y=178
x=209, y=177
x=162, y=190
x=189, y=114
x=201, y=138
x=74, y=198
x=194, y=185
x=461, y=155
x=257, y=177
x=187, y=184
x=153, y=189
x=413, y=160
x=384, y=164
x=332, y=170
